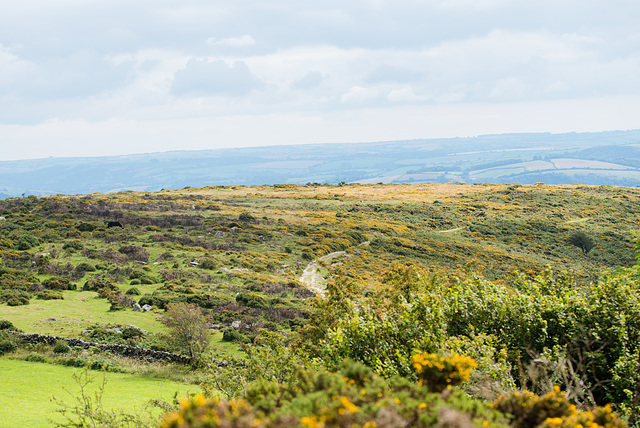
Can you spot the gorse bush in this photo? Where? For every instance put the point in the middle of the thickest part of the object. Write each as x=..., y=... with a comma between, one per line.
x=354, y=396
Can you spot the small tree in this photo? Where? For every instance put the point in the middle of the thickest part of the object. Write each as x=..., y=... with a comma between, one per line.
x=188, y=329
x=582, y=241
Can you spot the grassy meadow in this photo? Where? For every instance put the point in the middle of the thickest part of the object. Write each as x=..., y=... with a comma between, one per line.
x=27, y=389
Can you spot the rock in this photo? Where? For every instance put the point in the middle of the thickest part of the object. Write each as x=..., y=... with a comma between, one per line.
x=2, y=219
x=221, y=234
x=147, y=308
x=236, y=324
x=136, y=307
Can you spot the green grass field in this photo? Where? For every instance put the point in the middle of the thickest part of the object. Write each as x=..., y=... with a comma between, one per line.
x=73, y=314
x=26, y=390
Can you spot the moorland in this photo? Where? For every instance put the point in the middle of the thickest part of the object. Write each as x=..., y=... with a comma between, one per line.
x=339, y=305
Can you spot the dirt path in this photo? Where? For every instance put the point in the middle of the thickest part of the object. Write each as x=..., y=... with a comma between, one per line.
x=312, y=279
x=450, y=230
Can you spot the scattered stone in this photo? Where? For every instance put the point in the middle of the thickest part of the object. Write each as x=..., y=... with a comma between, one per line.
x=236, y=324
x=337, y=264
x=221, y=234
x=147, y=308
x=2, y=219
x=234, y=228
x=136, y=307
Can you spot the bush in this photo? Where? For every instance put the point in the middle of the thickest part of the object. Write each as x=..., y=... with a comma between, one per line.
x=14, y=297
x=73, y=245
x=135, y=282
x=133, y=291
x=34, y=357
x=7, y=325
x=49, y=295
x=7, y=344
x=233, y=335
x=85, y=267
x=582, y=241
x=61, y=347
x=252, y=300
x=58, y=284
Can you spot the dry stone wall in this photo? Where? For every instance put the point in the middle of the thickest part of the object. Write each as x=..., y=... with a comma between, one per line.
x=122, y=350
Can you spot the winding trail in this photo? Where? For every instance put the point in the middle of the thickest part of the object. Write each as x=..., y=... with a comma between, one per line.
x=312, y=279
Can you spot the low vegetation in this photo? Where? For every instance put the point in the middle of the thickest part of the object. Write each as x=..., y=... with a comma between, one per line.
x=436, y=305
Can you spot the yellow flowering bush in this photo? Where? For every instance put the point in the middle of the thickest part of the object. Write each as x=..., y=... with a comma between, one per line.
x=553, y=410
x=438, y=372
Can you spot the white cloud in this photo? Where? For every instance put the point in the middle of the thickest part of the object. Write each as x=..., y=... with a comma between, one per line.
x=203, y=78
x=241, y=41
x=358, y=94
x=405, y=95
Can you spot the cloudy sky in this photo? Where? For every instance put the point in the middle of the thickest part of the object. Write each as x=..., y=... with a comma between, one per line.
x=100, y=77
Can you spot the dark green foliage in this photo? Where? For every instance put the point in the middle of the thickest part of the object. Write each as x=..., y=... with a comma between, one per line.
x=252, y=300
x=59, y=284
x=73, y=245
x=133, y=291
x=7, y=325
x=34, y=357
x=246, y=217
x=209, y=264
x=96, y=284
x=143, y=277
x=61, y=347
x=581, y=240
x=155, y=301
x=15, y=297
x=233, y=335
x=49, y=295
x=85, y=267
x=7, y=343
x=86, y=227
x=27, y=241
x=131, y=332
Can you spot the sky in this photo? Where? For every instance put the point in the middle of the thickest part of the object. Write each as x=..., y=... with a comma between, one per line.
x=110, y=77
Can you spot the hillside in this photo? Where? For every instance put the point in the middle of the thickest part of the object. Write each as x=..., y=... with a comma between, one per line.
x=219, y=245
x=508, y=275
x=602, y=158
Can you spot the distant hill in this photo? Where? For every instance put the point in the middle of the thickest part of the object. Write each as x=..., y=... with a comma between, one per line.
x=608, y=158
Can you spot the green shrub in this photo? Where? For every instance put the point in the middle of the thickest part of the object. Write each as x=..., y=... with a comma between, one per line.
x=209, y=264
x=85, y=267
x=233, y=335
x=99, y=284
x=61, y=347
x=7, y=344
x=86, y=227
x=73, y=245
x=49, y=295
x=252, y=300
x=26, y=242
x=135, y=281
x=59, y=284
x=14, y=297
x=133, y=291
x=7, y=325
x=34, y=357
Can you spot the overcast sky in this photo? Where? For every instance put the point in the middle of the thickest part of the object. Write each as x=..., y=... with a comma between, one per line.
x=101, y=77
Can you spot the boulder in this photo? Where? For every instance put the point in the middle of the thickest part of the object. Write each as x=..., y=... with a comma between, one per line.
x=147, y=308
x=136, y=307
x=236, y=324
